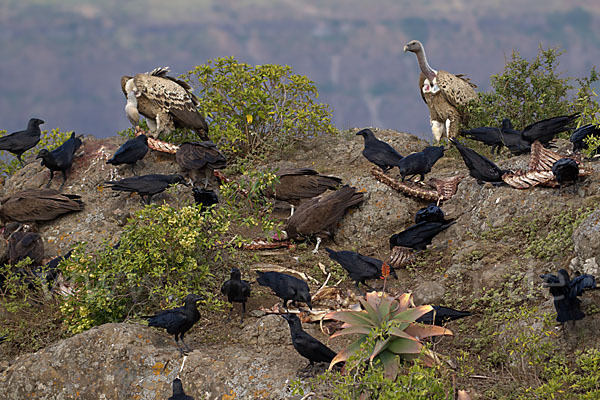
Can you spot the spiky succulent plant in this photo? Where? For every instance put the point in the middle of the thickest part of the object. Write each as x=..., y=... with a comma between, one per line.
x=391, y=323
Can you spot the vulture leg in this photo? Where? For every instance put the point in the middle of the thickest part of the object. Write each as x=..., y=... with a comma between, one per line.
x=291, y=210
x=452, y=123
x=316, y=250
x=437, y=129
x=50, y=181
x=151, y=125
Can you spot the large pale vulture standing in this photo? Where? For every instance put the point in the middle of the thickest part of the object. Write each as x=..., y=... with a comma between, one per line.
x=444, y=93
x=166, y=102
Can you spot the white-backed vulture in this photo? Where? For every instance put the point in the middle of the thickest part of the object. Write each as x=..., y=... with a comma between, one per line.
x=166, y=102
x=444, y=93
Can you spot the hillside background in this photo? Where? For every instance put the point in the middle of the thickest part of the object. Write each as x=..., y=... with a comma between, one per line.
x=61, y=60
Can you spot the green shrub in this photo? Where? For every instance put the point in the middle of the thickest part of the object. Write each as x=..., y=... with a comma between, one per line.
x=369, y=381
x=528, y=91
x=48, y=140
x=164, y=254
x=257, y=109
x=30, y=315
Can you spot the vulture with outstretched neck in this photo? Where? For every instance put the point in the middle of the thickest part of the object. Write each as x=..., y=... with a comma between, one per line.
x=444, y=93
x=166, y=102
x=317, y=216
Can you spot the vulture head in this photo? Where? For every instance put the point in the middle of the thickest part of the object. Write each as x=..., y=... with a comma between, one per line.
x=413, y=46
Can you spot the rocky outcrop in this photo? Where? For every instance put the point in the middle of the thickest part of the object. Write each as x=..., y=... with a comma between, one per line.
x=131, y=361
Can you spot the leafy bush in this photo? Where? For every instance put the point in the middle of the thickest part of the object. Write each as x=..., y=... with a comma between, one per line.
x=527, y=92
x=48, y=140
x=390, y=323
x=30, y=316
x=257, y=109
x=164, y=254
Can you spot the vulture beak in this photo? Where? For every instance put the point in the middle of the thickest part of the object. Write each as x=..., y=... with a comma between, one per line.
x=405, y=49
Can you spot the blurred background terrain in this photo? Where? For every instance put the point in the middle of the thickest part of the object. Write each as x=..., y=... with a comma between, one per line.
x=61, y=60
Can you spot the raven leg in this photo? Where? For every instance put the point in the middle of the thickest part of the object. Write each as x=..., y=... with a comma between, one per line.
x=285, y=304
x=133, y=168
x=20, y=160
x=230, y=311
x=184, y=343
x=178, y=346
x=64, y=173
x=243, y=311
x=50, y=181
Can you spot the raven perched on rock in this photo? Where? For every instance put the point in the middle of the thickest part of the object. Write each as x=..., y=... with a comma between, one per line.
x=431, y=213
x=61, y=158
x=440, y=315
x=579, y=135
x=480, y=167
x=308, y=347
x=286, y=287
x=379, y=152
x=566, y=171
x=565, y=292
x=236, y=290
x=178, y=393
x=146, y=185
x=420, y=163
x=130, y=152
x=177, y=321
x=19, y=142
x=359, y=267
x=206, y=197
x=419, y=236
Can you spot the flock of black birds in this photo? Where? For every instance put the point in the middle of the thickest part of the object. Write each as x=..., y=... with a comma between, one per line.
x=321, y=203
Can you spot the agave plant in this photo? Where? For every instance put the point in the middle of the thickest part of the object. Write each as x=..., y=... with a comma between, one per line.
x=391, y=322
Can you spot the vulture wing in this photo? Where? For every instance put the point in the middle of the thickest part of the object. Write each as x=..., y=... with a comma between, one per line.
x=171, y=96
x=38, y=205
x=456, y=90
x=302, y=183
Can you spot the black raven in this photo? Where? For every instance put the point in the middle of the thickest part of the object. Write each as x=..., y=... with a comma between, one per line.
x=420, y=163
x=487, y=135
x=512, y=139
x=308, y=347
x=236, y=290
x=480, y=167
x=431, y=213
x=61, y=158
x=566, y=171
x=206, y=197
x=359, y=267
x=379, y=152
x=49, y=272
x=545, y=130
x=419, y=236
x=146, y=185
x=130, y=152
x=565, y=292
x=19, y=142
x=286, y=287
x=177, y=321
x=178, y=393
x=440, y=315
x=579, y=135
